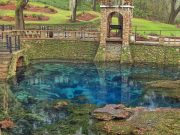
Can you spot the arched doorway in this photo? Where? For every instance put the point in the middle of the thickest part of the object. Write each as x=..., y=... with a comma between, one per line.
x=20, y=69
x=20, y=63
x=115, y=26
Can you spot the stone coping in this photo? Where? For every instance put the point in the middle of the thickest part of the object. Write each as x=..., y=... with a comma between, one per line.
x=116, y=6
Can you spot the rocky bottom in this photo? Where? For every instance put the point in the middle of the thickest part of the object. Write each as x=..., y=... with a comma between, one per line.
x=86, y=119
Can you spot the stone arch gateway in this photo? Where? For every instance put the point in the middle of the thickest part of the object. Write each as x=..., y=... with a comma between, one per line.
x=115, y=36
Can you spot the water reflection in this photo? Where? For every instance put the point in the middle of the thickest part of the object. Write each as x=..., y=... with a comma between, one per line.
x=98, y=84
x=29, y=97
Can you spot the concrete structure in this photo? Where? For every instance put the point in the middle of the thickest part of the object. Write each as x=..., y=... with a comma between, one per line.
x=115, y=36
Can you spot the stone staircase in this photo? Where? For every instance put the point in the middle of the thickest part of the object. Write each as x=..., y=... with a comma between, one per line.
x=5, y=58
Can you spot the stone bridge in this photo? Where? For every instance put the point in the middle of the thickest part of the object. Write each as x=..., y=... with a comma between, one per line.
x=11, y=57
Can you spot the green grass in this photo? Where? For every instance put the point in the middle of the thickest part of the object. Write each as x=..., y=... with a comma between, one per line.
x=145, y=27
x=3, y=2
x=64, y=4
x=154, y=27
x=61, y=17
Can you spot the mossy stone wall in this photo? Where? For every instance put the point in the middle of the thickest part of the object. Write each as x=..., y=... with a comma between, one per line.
x=155, y=54
x=87, y=51
x=64, y=50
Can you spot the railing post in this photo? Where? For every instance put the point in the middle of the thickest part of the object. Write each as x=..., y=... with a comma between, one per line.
x=16, y=47
x=19, y=42
x=7, y=41
x=3, y=27
x=10, y=44
x=135, y=33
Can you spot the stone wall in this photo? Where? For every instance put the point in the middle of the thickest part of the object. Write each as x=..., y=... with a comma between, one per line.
x=155, y=54
x=63, y=50
x=87, y=51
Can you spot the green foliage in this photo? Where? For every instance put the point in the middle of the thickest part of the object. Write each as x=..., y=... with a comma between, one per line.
x=64, y=4
x=3, y=2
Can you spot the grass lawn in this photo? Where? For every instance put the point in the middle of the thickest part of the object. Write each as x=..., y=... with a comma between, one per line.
x=167, y=29
x=63, y=17
x=145, y=27
x=64, y=4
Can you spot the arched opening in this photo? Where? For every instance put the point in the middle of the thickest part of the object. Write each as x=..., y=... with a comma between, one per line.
x=115, y=26
x=20, y=69
x=20, y=63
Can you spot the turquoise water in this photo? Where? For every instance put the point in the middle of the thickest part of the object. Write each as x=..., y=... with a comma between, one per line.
x=97, y=84
x=30, y=98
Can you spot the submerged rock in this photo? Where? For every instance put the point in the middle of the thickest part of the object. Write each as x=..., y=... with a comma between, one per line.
x=110, y=112
x=5, y=124
x=143, y=121
x=167, y=84
x=60, y=105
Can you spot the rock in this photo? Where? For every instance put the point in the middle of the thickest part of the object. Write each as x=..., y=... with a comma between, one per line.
x=167, y=84
x=110, y=112
x=6, y=124
x=60, y=105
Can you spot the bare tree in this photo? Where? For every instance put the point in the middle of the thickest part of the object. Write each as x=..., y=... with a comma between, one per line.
x=19, y=16
x=174, y=11
x=73, y=5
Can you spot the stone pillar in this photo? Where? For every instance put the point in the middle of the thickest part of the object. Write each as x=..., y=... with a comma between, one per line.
x=126, y=28
x=103, y=26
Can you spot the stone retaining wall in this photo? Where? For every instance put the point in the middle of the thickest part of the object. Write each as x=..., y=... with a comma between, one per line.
x=87, y=51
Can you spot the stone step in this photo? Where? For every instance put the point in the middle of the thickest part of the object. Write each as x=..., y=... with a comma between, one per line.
x=6, y=62
x=5, y=52
x=5, y=56
x=3, y=76
x=3, y=66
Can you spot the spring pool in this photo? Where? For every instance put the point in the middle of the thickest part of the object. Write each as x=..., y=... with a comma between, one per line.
x=99, y=84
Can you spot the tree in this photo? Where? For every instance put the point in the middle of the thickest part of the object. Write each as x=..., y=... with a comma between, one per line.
x=19, y=16
x=73, y=5
x=94, y=5
x=174, y=12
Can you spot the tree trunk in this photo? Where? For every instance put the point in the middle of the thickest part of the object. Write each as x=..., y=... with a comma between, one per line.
x=172, y=18
x=20, y=25
x=74, y=10
x=174, y=12
x=19, y=16
x=94, y=5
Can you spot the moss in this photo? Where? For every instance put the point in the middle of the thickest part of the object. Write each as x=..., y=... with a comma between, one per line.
x=64, y=50
x=78, y=118
x=13, y=64
x=147, y=123
x=126, y=55
x=100, y=56
x=155, y=54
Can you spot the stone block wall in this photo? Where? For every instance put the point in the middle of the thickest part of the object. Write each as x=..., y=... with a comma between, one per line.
x=106, y=13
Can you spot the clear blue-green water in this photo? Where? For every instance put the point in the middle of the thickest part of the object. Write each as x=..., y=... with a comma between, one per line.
x=31, y=97
x=98, y=84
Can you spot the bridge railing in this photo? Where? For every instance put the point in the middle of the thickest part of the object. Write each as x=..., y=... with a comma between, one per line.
x=116, y=2
x=6, y=27
x=55, y=34
x=165, y=37
x=9, y=43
